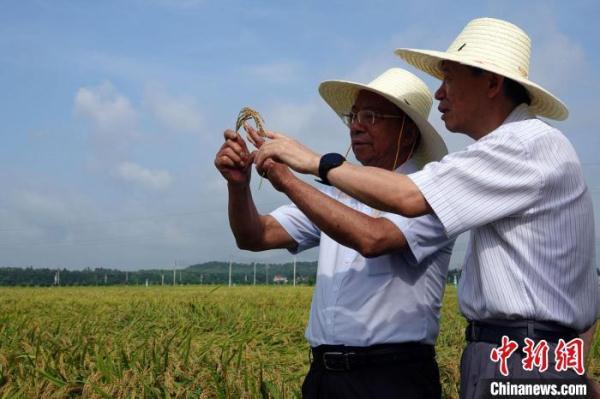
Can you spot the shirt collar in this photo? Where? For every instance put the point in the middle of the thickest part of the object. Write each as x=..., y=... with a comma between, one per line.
x=520, y=113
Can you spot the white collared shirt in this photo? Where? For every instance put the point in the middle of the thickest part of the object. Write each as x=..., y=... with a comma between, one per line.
x=392, y=298
x=521, y=192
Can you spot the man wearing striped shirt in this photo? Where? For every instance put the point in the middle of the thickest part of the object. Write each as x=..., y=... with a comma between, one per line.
x=529, y=271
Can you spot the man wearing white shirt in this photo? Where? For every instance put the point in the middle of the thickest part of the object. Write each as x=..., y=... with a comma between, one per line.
x=374, y=316
x=529, y=271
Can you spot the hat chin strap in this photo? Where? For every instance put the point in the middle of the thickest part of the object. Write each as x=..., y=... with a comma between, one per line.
x=398, y=147
x=348, y=150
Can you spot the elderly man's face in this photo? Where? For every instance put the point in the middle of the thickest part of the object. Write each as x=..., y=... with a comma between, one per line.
x=376, y=144
x=461, y=96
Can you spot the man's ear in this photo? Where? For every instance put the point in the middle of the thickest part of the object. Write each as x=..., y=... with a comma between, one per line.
x=495, y=85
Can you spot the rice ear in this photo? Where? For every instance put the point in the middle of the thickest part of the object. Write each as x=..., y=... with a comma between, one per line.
x=247, y=113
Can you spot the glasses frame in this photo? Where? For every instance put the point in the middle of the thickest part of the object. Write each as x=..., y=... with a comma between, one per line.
x=359, y=116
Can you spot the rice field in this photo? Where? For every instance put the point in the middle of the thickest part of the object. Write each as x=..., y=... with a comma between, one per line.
x=173, y=342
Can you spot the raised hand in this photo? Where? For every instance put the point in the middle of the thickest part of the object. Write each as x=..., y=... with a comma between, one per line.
x=233, y=159
x=278, y=173
x=288, y=151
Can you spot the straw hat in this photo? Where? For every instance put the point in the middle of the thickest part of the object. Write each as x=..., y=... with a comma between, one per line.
x=496, y=46
x=404, y=90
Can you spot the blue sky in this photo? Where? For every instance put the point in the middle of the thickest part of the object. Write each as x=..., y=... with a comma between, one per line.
x=111, y=112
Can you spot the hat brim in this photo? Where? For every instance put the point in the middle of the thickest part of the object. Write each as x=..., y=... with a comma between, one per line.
x=340, y=95
x=543, y=103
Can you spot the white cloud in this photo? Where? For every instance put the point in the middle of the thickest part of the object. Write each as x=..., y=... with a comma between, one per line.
x=174, y=113
x=110, y=111
x=150, y=179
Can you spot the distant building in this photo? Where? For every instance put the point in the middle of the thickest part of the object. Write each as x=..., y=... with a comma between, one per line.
x=279, y=279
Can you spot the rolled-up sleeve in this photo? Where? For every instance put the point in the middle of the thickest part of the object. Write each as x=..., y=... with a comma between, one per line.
x=425, y=235
x=298, y=226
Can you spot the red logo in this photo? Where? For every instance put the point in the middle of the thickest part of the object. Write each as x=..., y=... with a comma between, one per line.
x=535, y=355
x=502, y=353
x=569, y=355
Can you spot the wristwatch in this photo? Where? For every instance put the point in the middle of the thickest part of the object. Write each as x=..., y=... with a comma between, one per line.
x=328, y=162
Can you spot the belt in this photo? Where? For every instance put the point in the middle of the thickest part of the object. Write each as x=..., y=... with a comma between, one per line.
x=346, y=358
x=517, y=330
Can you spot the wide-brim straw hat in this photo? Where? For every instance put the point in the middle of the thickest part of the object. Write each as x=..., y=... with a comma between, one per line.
x=403, y=89
x=496, y=46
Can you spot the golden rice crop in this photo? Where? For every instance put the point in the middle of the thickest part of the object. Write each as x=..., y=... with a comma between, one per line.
x=172, y=342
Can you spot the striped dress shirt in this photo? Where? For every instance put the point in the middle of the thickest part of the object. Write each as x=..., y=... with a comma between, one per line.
x=521, y=193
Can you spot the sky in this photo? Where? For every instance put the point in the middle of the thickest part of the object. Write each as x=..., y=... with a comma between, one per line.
x=111, y=112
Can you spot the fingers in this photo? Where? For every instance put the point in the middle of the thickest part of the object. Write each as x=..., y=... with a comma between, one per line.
x=230, y=134
x=223, y=162
x=265, y=167
x=234, y=152
x=252, y=156
x=228, y=157
x=255, y=138
x=268, y=164
x=240, y=150
x=275, y=135
x=262, y=154
x=235, y=137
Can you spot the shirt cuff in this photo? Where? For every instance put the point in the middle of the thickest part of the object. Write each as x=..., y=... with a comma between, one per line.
x=284, y=221
x=426, y=182
x=413, y=254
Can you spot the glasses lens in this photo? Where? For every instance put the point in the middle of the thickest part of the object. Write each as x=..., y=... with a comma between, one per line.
x=347, y=119
x=366, y=117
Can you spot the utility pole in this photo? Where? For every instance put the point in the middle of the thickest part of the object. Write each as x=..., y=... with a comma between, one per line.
x=294, y=270
x=174, y=277
x=127, y=278
x=162, y=279
x=230, y=273
x=254, y=281
x=266, y=273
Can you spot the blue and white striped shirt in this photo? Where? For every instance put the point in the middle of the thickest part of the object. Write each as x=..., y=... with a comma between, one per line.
x=521, y=192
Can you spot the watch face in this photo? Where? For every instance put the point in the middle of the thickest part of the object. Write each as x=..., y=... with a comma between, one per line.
x=328, y=162
x=333, y=159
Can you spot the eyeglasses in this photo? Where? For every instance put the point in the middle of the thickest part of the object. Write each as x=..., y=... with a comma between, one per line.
x=366, y=117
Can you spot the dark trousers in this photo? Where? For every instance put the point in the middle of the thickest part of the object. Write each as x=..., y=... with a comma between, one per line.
x=412, y=378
